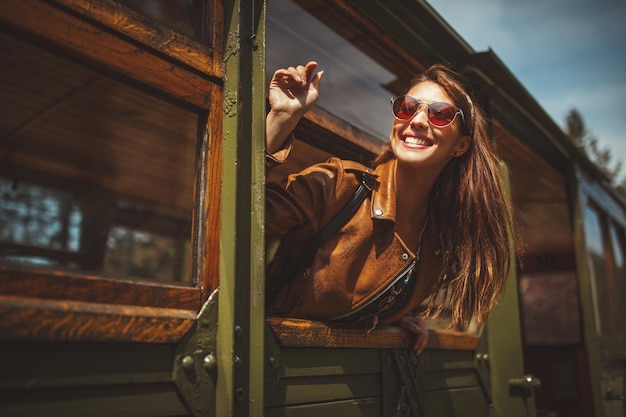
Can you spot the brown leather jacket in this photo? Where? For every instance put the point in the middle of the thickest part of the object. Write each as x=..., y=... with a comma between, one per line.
x=355, y=263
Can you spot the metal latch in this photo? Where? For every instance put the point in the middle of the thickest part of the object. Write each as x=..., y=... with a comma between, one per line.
x=524, y=386
x=609, y=395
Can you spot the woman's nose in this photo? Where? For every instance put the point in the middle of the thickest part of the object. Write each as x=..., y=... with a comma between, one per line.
x=421, y=117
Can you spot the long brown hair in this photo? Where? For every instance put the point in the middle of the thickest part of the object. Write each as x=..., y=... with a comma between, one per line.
x=472, y=217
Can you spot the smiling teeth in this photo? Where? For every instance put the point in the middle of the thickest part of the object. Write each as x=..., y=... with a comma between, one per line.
x=416, y=141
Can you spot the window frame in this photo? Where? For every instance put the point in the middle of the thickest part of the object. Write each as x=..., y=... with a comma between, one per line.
x=43, y=305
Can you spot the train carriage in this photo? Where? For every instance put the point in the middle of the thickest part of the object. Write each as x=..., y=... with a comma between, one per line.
x=132, y=207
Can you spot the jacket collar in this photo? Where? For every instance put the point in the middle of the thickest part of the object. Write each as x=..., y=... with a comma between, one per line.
x=384, y=196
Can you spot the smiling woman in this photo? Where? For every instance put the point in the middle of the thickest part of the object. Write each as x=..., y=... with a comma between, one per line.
x=410, y=250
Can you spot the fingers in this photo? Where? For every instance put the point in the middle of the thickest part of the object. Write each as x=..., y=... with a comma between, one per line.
x=417, y=326
x=299, y=76
x=309, y=68
x=317, y=78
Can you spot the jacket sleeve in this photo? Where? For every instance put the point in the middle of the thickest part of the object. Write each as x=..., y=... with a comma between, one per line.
x=272, y=160
x=311, y=197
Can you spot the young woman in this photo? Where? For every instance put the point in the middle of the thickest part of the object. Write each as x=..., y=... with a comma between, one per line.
x=432, y=239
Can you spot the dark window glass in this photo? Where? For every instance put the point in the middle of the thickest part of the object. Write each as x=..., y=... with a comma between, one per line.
x=618, y=243
x=550, y=310
x=182, y=16
x=95, y=175
x=596, y=253
x=355, y=85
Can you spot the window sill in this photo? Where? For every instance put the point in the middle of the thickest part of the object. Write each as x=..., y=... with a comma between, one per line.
x=305, y=333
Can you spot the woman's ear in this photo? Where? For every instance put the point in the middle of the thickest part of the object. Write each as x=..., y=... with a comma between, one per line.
x=463, y=146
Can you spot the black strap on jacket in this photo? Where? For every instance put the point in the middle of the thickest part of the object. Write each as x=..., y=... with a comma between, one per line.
x=306, y=253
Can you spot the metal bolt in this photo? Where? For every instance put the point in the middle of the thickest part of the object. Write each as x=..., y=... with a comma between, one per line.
x=237, y=362
x=272, y=362
x=188, y=362
x=239, y=395
x=238, y=331
x=209, y=362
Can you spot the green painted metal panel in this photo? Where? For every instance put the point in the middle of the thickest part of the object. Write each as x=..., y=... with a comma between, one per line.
x=240, y=346
x=133, y=401
x=303, y=390
x=320, y=375
x=469, y=402
x=433, y=381
x=88, y=379
x=325, y=361
x=362, y=407
x=504, y=340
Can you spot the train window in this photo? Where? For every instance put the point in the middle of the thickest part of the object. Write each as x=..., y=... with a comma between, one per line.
x=618, y=243
x=183, y=16
x=95, y=175
x=549, y=306
x=361, y=74
x=600, y=271
x=357, y=85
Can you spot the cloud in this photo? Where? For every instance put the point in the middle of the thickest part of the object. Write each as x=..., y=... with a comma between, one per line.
x=566, y=53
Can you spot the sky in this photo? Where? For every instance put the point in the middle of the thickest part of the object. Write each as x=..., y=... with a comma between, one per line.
x=566, y=53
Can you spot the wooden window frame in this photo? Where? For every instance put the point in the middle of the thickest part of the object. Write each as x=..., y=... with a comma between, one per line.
x=59, y=306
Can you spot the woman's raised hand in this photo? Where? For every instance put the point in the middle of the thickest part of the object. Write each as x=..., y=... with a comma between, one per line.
x=292, y=92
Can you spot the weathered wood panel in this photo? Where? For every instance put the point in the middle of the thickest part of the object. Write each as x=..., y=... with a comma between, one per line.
x=37, y=319
x=204, y=58
x=306, y=333
x=73, y=34
x=86, y=288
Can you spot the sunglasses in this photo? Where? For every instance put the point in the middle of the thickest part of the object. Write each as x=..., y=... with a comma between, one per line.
x=440, y=114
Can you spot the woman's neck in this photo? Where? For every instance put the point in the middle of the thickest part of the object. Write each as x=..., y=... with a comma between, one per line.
x=412, y=196
x=412, y=190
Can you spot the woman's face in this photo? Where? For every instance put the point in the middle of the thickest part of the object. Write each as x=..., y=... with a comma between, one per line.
x=416, y=142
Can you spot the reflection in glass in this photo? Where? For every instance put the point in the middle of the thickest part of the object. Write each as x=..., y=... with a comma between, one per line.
x=183, y=16
x=597, y=270
x=354, y=85
x=618, y=242
x=95, y=176
x=549, y=305
x=38, y=216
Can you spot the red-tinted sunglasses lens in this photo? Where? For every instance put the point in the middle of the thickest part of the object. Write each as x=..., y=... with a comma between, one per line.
x=439, y=114
x=404, y=107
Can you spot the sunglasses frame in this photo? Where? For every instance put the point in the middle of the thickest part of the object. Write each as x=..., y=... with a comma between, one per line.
x=428, y=114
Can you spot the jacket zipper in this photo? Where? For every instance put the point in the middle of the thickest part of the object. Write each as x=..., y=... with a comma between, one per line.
x=404, y=274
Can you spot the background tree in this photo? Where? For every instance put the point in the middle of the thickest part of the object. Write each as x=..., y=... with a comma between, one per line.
x=601, y=156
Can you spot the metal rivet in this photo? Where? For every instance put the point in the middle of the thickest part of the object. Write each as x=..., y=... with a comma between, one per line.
x=378, y=212
x=405, y=256
x=209, y=362
x=273, y=362
x=237, y=362
x=238, y=331
x=239, y=395
x=188, y=362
